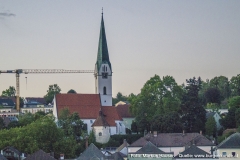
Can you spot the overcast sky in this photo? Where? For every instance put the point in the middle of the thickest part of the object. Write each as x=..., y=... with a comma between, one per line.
x=182, y=39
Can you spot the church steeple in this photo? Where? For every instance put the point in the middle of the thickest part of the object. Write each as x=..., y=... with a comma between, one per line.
x=103, y=70
x=102, y=56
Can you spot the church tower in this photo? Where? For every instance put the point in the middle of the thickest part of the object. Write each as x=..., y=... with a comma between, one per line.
x=103, y=70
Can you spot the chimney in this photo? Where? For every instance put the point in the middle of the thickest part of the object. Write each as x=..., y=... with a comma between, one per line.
x=1, y=152
x=201, y=132
x=183, y=132
x=61, y=156
x=155, y=133
x=22, y=156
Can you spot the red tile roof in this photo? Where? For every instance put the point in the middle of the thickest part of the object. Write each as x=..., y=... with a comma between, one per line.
x=111, y=114
x=124, y=111
x=100, y=121
x=86, y=105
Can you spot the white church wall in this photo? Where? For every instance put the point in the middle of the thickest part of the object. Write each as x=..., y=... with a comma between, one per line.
x=102, y=134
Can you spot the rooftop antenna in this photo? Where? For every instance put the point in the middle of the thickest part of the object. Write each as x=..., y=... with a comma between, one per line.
x=102, y=10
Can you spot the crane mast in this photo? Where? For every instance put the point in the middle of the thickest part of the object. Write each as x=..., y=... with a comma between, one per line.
x=37, y=71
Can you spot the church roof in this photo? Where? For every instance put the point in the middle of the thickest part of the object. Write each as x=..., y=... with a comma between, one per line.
x=100, y=121
x=102, y=57
x=124, y=111
x=111, y=115
x=86, y=105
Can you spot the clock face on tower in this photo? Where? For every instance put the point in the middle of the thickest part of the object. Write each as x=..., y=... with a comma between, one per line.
x=104, y=75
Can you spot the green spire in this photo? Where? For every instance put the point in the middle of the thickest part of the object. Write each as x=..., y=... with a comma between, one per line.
x=102, y=57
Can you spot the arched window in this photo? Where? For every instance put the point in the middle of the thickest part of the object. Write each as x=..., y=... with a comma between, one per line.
x=104, y=90
x=100, y=133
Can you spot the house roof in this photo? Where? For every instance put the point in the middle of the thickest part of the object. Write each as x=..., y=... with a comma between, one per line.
x=40, y=154
x=2, y=157
x=12, y=149
x=90, y=152
x=111, y=114
x=210, y=114
x=9, y=119
x=125, y=144
x=86, y=105
x=232, y=141
x=194, y=150
x=36, y=99
x=100, y=121
x=124, y=111
x=5, y=101
x=229, y=130
x=118, y=156
x=149, y=148
x=173, y=140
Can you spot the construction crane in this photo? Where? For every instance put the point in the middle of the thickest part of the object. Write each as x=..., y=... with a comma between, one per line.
x=37, y=71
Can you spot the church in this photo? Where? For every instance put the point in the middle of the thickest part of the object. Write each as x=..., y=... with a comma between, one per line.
x=96, y=110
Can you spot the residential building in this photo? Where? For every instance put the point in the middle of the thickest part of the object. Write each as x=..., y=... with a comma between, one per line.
x=193, y=152
x=150, y=151
x=8, y=112
x=124, y=112
x=229, y=148
x=173, y=142
x=12, y=153
x=6, y=102
x=40, y=154
x=92, y=153
x=217, y=118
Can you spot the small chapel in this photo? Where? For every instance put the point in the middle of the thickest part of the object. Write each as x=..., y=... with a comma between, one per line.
x=96, y=110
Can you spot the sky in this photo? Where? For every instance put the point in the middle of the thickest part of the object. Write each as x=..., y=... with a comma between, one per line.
x=182, y=39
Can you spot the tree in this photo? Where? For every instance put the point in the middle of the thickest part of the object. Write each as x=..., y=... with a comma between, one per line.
x=71, y=124
x=72, y=91
x=118, y=98
x=10, y=92
x=211, y=127
x=213, y=95
x=232, y=119
x=167, y=123
x=2, y=125
x=51, y=92
x=222, y=84
x=235, y=85
x=193, y=115
x=158, y=96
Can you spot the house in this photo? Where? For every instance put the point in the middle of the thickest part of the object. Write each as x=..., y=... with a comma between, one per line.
x=35, y=104
x=217, y=118
x=124, y=112
x=6, y=102
x=173, y=142
x=229, y=148
x=40, y=100
x=91, y=153
x=40, y=154
x=150, y=151
x=123, y=149
x=2, y=157
x=9, y=119
x=8, y=112
x=12, y=153
x=192, y=152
